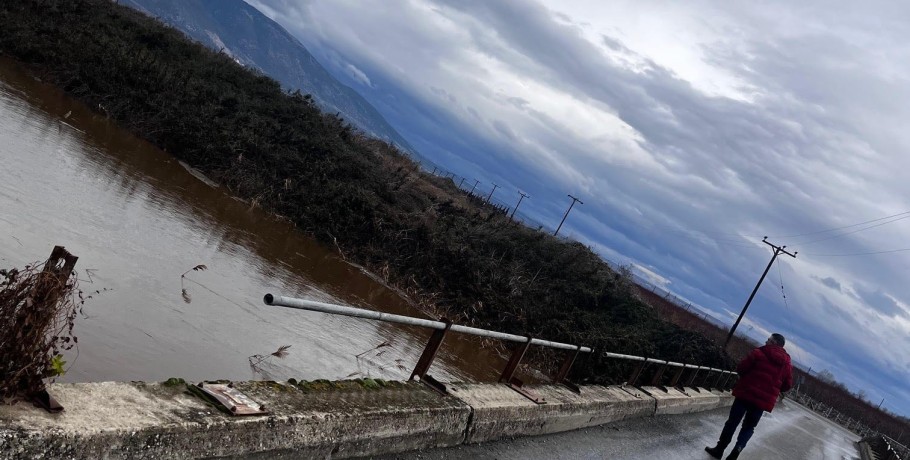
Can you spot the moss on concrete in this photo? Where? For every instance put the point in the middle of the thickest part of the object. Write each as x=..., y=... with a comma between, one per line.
x=174, y=382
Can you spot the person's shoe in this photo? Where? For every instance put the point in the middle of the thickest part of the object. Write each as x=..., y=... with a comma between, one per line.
x=734, y=454
x=716, y=451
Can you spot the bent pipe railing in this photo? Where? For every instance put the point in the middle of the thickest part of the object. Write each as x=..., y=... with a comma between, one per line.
x=440, y=328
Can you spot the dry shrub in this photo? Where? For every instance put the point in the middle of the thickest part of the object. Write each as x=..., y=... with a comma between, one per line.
x=38, y=309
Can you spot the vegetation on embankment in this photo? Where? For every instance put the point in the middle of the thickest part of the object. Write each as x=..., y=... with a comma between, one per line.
x=278, y=151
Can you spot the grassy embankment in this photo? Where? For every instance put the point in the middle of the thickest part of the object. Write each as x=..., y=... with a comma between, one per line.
x=278, y=151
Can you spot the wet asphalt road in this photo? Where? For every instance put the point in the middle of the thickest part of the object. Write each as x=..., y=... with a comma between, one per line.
x=791, y=432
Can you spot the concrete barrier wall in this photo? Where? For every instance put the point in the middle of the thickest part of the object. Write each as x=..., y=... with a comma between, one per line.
x=673, y=401
x=137, y=421
x=323, y=420
x=500, y=412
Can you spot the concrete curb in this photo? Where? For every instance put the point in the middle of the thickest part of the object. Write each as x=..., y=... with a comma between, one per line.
x=500, y=412
x=113, y=420
x=673, y=401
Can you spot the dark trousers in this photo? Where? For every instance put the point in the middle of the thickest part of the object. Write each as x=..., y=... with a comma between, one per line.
x=739, y=410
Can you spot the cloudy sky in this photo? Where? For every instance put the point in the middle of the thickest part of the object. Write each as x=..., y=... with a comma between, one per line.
x=689, y=129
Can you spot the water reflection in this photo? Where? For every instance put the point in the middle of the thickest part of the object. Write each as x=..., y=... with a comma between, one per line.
x=137, y=219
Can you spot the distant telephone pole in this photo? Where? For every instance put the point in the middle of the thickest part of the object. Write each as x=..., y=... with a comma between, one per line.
x=491, y=192
x=462, y=182
x=523, y=196
x=777, y=250
x=567, y=213
x=475, y=186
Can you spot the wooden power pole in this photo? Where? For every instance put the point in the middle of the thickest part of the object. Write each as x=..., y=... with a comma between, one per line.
x=777, y=251
x=567, y=213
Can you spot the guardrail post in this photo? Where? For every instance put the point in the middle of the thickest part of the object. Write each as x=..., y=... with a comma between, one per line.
x=517, y=354
x=716, y=382
x=560, y=377
x=636, y=373
x=427, y=357
x=704, y=379
x=690, y=382
x=655, y=381
x=508, y=374
x=674, y=382
x=729, y=382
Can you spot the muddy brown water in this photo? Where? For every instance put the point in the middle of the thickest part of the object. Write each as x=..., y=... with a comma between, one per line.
x=137, y=218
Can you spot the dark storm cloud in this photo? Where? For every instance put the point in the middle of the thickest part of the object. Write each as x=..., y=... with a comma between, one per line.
x=830, y=282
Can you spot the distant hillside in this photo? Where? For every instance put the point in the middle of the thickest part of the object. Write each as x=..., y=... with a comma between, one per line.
x=254, y=40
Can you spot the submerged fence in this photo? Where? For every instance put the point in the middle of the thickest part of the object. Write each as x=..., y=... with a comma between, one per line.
x=698, y=376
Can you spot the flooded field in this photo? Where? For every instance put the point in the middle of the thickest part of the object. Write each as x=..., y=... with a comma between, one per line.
x=138, y=219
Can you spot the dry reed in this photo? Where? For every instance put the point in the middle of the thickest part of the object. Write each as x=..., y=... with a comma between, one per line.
x=37, y=314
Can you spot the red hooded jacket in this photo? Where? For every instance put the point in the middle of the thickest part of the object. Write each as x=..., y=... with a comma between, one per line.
x=763, y=375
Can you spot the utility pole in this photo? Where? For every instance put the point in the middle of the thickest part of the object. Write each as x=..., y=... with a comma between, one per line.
x=523, y=196
x=777, y=251
x=491, y=192
x=880, y=404
x=475, y=186
x=567, y=213
x=462, y=182
x=434, y=171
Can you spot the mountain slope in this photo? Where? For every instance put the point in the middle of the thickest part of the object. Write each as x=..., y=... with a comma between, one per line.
x=254, y=40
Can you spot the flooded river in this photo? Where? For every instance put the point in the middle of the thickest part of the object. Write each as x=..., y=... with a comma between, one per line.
x=138, y=219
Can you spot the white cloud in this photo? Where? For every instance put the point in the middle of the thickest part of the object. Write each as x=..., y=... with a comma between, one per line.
x=358, y=75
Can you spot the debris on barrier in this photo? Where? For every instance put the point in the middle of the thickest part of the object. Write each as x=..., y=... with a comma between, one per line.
x=232, y=399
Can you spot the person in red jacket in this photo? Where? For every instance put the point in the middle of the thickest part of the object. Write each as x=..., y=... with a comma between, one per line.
x=763, y=375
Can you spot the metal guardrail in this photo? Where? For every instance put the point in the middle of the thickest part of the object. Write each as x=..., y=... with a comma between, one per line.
x=710, y=377
x=899, y=450
x=700, y=376
x=409, y=320
x=881, y=448
x=891, y=452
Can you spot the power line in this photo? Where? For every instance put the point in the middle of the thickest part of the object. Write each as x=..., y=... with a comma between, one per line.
x=854, y=231
x=703, y=236
x=783, y=294
x=857, y=253
x=707, y=234
x=689, y=231
x=740, y=243
x=841, y=228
